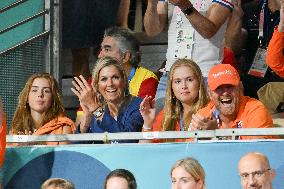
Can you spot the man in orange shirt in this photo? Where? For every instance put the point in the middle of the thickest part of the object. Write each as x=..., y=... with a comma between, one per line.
x=275, y=51
x=228, y=107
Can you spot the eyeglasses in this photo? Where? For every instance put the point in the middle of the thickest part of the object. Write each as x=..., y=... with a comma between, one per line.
x=255, y=174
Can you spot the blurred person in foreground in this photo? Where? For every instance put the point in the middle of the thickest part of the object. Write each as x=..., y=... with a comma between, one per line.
x=120, y=179
x=57, y=183
x=3, y=127
x=187, y=173
x=255, y=171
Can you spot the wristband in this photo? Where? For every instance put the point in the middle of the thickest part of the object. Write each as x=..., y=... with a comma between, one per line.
x=188, y=11
x=98, y=112
x=146, y=128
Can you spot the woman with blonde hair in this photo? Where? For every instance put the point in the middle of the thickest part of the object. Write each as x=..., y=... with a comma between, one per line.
x=107, y=104
x=40, y=110
x=187, y=173
x=185, y=95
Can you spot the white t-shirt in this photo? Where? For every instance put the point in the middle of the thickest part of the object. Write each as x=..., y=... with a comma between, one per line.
x=185, y=42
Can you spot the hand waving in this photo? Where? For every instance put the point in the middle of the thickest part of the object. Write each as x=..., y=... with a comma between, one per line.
x=86, y=94
x=148, y=110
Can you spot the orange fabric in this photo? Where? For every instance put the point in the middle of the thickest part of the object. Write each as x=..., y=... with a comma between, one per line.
x=275, y=53
x=55, y=126
x=3, y=140
x=222, y=74
x=157, y=126
x=252, y=114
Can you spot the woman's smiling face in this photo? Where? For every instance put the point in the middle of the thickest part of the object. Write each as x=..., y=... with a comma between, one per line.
x=111, y=85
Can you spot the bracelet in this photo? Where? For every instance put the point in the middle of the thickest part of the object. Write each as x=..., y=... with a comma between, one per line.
x=146, y=128
x=98, y=112
x=95, y=109
x=188, y=11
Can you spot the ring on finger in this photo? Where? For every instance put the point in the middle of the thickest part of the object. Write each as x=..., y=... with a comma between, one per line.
x=142, y=107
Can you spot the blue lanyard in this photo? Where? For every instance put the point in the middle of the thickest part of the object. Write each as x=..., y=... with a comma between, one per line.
x=132, y=73
x=180, y=123
x=216, y=115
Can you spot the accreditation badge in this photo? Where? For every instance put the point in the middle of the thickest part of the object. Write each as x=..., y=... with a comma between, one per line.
x=259, y=67
x=184, y=43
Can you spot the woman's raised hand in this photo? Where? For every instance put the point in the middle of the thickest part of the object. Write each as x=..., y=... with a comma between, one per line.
x=148, y=110
x=86, y=94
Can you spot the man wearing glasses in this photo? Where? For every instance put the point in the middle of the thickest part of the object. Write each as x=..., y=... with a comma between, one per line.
x=255, y=171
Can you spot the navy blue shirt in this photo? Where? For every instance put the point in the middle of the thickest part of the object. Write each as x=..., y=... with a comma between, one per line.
x=129, y=119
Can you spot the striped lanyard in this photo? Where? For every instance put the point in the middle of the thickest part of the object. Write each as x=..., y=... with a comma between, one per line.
x=131, y=75
x=216, y=115
x=181, y=123
x=261, y=23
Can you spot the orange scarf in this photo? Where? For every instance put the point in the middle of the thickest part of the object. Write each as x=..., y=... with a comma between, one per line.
x=55, y=126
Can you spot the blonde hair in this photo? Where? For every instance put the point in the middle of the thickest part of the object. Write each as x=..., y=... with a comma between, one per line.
x=22, y=119
x=173, y=106
x=57, y=182
x=105, y=62
x=193, y=167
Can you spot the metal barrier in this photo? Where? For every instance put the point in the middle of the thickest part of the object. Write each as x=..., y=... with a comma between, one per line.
x=106, y=137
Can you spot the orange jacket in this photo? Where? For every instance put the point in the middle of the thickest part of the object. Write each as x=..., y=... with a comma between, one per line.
x=275, y=53
x=252, y=114
x=55, y=126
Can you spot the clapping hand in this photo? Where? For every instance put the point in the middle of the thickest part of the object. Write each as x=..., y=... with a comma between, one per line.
x=148, y=110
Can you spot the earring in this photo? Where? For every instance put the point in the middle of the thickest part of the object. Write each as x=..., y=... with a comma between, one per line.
x=126, y=92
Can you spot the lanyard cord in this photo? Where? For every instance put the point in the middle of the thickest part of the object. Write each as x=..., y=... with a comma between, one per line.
x=132, y=73
x=181, y=123
x=264, y=26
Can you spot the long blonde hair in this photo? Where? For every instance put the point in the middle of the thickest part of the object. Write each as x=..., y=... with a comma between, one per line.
x=173, y=106
x=193, y=167
x=22, y=119
x=105, y=62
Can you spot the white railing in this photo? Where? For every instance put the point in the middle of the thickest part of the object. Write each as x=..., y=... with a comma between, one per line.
x=106, y=137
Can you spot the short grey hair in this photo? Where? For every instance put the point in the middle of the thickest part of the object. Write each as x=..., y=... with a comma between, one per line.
x=127, y=42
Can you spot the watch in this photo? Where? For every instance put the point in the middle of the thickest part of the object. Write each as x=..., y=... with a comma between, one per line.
x=188, y=11
x=98, y=112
